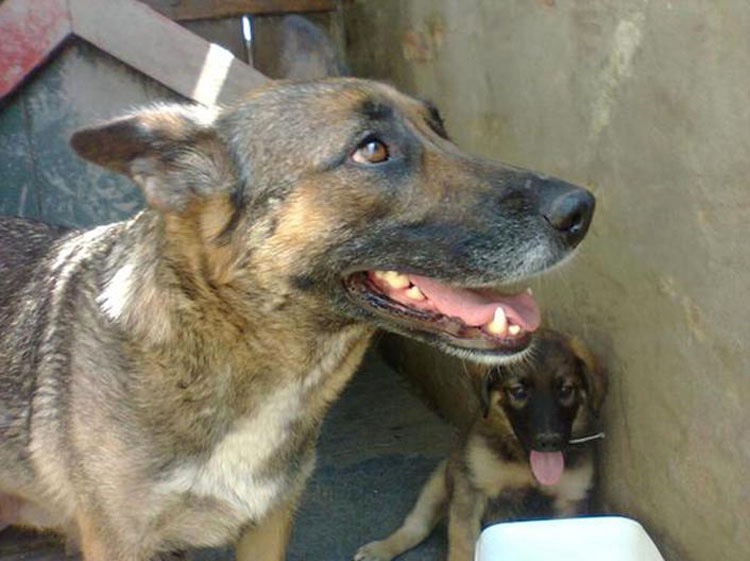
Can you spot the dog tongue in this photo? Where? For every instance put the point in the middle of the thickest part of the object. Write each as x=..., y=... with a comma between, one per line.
x=547, y=467
x=477, y=307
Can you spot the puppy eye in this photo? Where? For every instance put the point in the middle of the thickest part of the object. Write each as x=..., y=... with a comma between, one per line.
x=566, y=390
x=518, y=392
x=371, y=151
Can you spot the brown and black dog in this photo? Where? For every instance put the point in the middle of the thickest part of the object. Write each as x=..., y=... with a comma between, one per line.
x=516, y=459
x=163, y=379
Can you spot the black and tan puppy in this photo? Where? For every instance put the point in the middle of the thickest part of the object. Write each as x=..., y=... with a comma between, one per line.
x=516, y=459
x=163, y=379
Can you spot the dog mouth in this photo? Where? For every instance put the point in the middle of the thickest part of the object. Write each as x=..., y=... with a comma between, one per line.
x=547, y=467
x=472, y=319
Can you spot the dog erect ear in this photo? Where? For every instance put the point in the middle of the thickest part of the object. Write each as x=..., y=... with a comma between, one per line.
x=308, y=52
x=594, y=376
x=171, y=151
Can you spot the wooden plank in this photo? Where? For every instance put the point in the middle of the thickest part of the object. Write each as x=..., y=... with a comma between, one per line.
x=30, y=31
x=226, y=32
x=181, y=10
x=163, y=50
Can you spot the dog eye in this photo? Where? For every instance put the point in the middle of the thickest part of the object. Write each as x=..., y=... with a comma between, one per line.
x=566, y=390
x=518, y=392
x=371, y=151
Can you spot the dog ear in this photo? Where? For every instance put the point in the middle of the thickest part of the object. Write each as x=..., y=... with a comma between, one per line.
x=489, y=378
x=172, y=152
x=594, y=377
x=308, y=52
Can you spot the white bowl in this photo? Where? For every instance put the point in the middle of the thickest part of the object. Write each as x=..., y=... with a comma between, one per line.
x=593, y=538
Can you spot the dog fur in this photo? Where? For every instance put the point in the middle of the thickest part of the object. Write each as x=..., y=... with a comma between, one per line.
x=488, y=478
x=163, y=379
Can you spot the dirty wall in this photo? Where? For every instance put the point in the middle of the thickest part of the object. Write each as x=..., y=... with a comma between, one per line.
x=648, y=104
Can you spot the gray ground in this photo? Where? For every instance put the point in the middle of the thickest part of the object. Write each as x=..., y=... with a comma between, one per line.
x=379, y=444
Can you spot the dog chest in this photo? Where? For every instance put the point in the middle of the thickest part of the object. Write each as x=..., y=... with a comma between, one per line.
x=265, y=457
x=491, y=474
x=238, y=473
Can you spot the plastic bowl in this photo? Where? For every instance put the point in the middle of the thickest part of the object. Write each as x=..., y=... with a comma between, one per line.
x=594, y=538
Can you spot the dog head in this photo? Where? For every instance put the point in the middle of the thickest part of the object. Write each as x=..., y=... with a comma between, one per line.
x=344, y=201
x=553, y=394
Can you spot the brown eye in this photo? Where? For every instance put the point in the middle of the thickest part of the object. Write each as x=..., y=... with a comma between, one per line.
x=518, y=392
x=566, y=390
x=371, y=152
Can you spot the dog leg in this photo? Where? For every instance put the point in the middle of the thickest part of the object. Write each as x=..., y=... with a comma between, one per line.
x=572, y=493
x=268, y=540
x=93, y=545
x=464, y=520
x=417, y=525
x=565, y=508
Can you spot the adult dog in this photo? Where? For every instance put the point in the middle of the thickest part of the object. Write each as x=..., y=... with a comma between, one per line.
x=163, y=379
x=516, y=459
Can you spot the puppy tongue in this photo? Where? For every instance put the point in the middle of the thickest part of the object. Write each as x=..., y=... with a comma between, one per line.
x=547, y=467
x=477, y=307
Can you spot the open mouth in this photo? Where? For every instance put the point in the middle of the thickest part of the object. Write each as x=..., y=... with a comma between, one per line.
x=473, y=319
x=547, y=467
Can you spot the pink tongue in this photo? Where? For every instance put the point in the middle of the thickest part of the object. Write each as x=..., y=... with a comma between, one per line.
x=547, y=466
x=477, y=307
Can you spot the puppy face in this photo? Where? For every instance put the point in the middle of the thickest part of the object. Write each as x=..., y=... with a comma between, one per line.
x=544, y=398
x=344, y=200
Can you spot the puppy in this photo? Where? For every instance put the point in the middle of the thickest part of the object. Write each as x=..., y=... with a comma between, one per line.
x=517, y=458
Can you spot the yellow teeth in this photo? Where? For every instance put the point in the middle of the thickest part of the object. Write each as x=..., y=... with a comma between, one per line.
x=514, y=329
x=499, y=323
x=414, y=293
x=393, y=279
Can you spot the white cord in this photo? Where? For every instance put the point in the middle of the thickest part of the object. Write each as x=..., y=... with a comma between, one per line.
x=586, y=438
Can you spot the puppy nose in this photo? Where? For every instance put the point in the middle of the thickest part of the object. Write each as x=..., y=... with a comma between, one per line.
x=568, y=209
x=548, y=442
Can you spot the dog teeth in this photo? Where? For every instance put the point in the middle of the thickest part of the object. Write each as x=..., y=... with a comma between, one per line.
x=514, y=329
x=529, y=292
x=414, y=293
x=393, y=279
x=499, y=323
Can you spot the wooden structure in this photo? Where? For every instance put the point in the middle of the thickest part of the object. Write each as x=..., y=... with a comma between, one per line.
x=67, y=63
x=185, y=10
x=129, y=31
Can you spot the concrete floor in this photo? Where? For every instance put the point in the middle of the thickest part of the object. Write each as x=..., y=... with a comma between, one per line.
x=378, y=446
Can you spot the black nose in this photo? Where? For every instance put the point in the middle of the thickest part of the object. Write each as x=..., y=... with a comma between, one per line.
x=567, y=208
x=548, y=442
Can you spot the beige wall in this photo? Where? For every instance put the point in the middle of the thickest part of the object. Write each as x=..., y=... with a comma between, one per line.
x=648, y=103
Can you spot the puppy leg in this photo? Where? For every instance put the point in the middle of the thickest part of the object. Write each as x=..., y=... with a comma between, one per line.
x=464, y=520
x=268, y=540
x=564, y=507
x=417, y=525
x=572, y=493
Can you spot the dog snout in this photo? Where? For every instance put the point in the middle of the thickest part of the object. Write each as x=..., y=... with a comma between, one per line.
x=548, y=442
x=568, y=209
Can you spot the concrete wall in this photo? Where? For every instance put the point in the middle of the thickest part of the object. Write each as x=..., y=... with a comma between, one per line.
x=648, y=103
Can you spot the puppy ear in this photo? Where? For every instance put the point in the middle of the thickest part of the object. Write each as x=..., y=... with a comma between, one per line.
x=172, y=152
x=489, y=379
x=594, y=377
x=484, y=394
